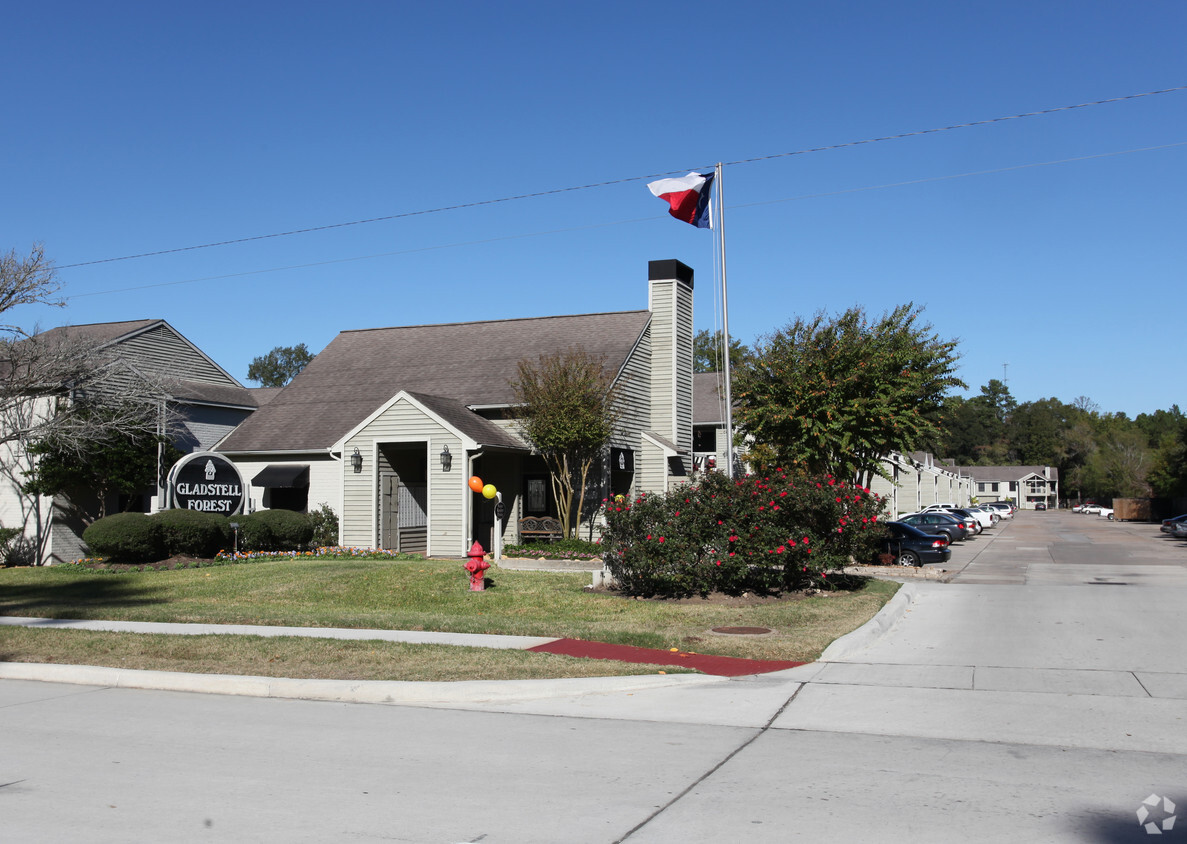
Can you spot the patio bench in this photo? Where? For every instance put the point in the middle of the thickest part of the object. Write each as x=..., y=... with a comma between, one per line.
x=539, y=527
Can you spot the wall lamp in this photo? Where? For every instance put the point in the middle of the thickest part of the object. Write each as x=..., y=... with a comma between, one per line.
x=356, y=460
x=446, y=459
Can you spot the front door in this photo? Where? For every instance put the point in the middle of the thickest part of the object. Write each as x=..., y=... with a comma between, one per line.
x=389, y=511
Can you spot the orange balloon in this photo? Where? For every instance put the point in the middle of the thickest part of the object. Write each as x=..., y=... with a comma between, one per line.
x=476, y=483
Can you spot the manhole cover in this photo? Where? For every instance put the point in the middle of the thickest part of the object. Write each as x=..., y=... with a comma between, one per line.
x=743, y=631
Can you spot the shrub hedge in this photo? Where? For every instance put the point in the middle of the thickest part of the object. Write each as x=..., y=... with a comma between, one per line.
x=126, y=538
x=274, y=530
x=138, y=538
x=193, y=533
x=766, y=535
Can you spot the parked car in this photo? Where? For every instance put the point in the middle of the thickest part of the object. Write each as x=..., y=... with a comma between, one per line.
x=938, y=523
x=987, y=516
x=1040, y=505
x=1179, y=531
x=970, y=521
x=913, y=547
x=1106, y=512
x=1093, y=509
x=1168, y=525
x=1004, y=507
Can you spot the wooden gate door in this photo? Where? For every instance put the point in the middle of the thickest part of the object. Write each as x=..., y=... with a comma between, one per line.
x=389, y=511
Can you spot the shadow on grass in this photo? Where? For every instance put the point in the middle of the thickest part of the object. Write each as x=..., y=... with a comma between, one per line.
x=91, y=597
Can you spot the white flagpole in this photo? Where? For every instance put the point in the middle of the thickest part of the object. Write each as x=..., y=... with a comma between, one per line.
x=725, y=327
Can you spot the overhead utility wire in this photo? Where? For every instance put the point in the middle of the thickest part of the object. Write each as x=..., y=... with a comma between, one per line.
x=614, y=223
x=618, y=181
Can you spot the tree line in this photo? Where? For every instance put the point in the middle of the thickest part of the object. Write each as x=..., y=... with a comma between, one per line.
x=1099, y=455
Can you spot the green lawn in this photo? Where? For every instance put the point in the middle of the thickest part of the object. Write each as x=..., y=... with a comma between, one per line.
x=421, y=595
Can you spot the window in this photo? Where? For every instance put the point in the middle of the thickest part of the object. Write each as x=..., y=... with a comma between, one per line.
x=993, y=488
x=1013, y=486
x=980, y=487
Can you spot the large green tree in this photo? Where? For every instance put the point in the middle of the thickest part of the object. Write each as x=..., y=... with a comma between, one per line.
x=568, y=409
x=707, y=353
x=837, y=395
x=279, y=366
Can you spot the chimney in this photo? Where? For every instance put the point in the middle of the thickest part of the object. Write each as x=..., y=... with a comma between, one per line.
x=669, y=298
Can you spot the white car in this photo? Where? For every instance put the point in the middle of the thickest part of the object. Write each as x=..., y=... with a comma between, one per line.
x=987, y=516
x=1106, y=512
x=1093, y=509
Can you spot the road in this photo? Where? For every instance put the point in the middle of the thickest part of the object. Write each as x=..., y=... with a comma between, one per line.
x=1040, y=696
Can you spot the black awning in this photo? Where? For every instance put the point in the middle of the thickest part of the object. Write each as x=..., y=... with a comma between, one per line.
x=283, y=475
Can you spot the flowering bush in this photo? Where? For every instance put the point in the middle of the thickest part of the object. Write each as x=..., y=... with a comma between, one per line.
x=769, y=534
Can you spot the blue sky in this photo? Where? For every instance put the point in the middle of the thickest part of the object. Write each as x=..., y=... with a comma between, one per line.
x=140, y=127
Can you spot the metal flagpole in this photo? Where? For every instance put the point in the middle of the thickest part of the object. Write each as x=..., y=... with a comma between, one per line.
x=725, y=326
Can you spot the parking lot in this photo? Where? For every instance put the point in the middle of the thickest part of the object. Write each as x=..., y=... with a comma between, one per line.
x=1062, y=547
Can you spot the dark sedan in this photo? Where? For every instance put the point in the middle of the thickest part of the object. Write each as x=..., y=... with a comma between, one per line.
x=951, y=526
x=913, y=547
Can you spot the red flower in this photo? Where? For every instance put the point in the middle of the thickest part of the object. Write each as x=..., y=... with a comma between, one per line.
x=661, y=539
x=779, y=550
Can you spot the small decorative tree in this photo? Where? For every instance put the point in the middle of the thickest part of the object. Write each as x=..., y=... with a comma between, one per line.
x=568, y=410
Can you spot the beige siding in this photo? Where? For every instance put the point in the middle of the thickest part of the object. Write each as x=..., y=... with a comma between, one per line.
x=325, y=477
x=403, y=422
x=634, y=387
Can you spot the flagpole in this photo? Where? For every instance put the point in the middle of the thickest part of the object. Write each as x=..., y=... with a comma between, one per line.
x=725, y=326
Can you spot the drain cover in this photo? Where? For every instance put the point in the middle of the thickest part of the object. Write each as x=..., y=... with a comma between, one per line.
x=743, y=631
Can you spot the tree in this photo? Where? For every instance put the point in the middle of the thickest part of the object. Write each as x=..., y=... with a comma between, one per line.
x=706, y=352
x=279, y=366
x=836, y=396
x=124, y=462
x=53, y=384
x=568, y=409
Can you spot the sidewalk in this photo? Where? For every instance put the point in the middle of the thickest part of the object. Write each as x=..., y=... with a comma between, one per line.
x=380, y=691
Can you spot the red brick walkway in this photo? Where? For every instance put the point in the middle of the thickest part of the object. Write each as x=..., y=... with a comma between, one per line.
x=723, y=666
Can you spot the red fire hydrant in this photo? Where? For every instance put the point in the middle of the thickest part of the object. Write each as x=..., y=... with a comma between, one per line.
x=477, y=567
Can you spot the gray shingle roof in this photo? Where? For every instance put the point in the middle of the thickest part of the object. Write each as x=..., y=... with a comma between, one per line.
x=471, y=363
x=99, y=332
x=1000, y=474
x=708, y=408
x=205, y=393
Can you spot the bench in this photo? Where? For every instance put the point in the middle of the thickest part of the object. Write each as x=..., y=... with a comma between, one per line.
x=539, y=527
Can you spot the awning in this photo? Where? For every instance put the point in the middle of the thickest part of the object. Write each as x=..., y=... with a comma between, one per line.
x=283, y=475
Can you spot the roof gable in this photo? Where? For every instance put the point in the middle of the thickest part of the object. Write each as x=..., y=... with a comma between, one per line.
x=469, y=363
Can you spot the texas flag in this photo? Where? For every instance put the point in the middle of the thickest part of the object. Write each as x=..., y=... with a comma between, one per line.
x=688, y=196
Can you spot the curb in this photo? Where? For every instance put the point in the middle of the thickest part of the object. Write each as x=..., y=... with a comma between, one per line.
x=346, y=691
x=874, y=629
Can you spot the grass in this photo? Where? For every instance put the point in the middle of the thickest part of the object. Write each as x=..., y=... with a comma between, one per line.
x=420, y=595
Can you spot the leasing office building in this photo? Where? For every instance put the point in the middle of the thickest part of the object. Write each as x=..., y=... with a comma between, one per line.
x=387, y=425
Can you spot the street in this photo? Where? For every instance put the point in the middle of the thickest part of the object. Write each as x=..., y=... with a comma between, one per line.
x=1039, y=696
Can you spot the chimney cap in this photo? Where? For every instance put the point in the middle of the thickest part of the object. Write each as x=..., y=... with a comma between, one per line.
x=669, y=268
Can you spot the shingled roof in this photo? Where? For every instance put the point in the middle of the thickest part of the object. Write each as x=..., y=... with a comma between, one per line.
x=467, y=363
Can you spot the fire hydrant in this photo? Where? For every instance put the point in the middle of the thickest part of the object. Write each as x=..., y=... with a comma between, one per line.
x=477, y=567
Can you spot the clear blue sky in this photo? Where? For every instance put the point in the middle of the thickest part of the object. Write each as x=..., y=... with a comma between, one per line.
x=138, y=127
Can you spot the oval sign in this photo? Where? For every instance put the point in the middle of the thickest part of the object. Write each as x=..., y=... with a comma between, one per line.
x=207, y=482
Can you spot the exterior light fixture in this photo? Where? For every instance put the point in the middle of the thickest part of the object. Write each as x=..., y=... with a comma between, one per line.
x=356, y=460
x=446, y=459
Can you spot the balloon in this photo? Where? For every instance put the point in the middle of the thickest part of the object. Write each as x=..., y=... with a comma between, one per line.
x=476, y=483
x=489, y=491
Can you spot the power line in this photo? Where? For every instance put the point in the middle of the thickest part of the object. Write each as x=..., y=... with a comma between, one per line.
x=546, y=232
x=555, y=191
